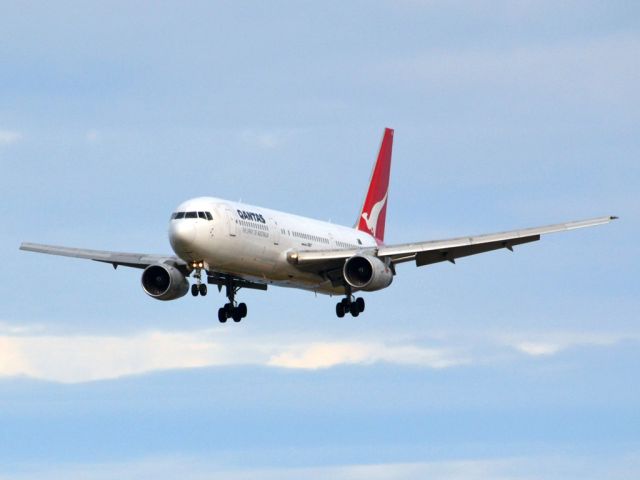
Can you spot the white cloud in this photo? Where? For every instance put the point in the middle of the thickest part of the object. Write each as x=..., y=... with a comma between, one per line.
x=82, y=358
x=328, y=354
x=12, y=360
x=33, y=353
x=9, y=137
x=86, y=358
x=555, y=342
x=264, y=140
x=92, y=136
x=537, y=348
x=515, y=468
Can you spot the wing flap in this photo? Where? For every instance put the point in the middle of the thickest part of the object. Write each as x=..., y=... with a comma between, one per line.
x=307, y=257
x=450, y=254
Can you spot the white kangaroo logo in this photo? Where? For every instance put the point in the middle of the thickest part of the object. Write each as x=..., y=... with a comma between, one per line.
x=372, y=219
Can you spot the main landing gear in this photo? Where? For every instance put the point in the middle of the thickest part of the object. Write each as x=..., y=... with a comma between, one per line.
x=350, y=304
x=234, y=310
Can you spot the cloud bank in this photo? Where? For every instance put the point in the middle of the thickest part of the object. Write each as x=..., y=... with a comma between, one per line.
x=84, y=358
x=616, y=466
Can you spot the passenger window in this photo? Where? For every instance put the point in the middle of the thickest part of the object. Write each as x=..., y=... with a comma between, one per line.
x=208, y=215
x=202, y=215
x=191, y=215
x=179, y=215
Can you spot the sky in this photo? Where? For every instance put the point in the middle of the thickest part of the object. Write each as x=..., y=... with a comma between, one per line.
x=507, y=114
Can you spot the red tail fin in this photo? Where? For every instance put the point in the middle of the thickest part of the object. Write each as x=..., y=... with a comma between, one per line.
x=374, y=210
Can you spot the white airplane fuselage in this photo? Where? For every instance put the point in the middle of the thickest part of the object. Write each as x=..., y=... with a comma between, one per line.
x=252, y=242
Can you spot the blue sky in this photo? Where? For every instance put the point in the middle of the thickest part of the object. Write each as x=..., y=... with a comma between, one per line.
x=507, y=114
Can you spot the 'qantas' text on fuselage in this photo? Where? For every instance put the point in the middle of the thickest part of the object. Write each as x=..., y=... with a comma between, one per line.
x=254, y=217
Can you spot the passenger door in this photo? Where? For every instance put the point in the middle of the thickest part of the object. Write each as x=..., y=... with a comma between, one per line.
x=275, y=228
x=232, y=226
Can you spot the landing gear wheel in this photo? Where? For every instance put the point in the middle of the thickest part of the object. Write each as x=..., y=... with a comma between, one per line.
x=228, y=309
x=202, y=288
x=222, y=315
x=340, y=309
x=354, y=310
x=236, y=315
x=194, y=290
x=242, y=308
x=360, y=304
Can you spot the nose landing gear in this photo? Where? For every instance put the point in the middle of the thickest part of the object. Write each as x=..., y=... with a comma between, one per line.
x=198, y=288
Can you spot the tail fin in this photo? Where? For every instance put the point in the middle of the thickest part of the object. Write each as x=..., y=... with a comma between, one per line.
x=374, y=209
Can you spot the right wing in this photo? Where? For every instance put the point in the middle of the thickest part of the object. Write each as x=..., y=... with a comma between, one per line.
x=425, y=253
x=329, y=262
x=135, y=260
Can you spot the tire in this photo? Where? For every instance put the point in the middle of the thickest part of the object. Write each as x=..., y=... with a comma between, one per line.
x=339, y=310
x=236, y=315
x=203, y=289
x=354, y=310
x=242, y=308
x=222, y=315
x=194, y=290
x=228, y=308
x=345, y=303
x=360, y=304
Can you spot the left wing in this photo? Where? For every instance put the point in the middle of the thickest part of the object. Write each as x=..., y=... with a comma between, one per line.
x=425, y=253
x=135, y=260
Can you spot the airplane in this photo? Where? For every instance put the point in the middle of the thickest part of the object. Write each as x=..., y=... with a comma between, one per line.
x=234, y=245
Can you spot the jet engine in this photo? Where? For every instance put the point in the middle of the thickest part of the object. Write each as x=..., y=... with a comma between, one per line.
x=164, y=282
x=367, y=273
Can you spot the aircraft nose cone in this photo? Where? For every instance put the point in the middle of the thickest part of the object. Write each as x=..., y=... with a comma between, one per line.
x=181, y=235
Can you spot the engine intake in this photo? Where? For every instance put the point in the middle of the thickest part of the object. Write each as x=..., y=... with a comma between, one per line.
x=364, y=272
x=164, y=282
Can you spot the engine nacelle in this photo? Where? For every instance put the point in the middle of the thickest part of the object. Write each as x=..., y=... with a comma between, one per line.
x=164, y=282
x=367, y=273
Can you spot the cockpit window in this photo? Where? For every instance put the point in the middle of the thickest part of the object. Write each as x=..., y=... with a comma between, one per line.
x=202, y=215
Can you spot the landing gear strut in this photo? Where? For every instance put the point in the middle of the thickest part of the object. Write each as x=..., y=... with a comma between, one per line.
x=350, y=304
x=234, y=310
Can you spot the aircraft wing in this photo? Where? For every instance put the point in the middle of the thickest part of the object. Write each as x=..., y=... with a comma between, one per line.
x=135, y=260
x=425, y=253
